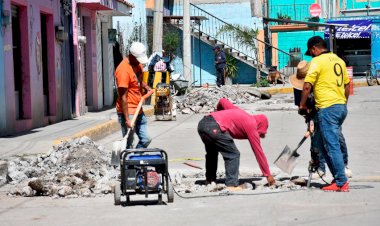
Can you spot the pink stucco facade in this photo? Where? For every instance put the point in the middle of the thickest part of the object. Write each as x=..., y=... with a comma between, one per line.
x=29, y=14
x=38, y=76
x=90, y=19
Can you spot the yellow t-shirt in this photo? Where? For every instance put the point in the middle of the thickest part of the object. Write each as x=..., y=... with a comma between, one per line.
x=328, y=75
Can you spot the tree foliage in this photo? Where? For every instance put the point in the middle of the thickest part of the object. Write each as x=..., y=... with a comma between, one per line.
x=244, y=35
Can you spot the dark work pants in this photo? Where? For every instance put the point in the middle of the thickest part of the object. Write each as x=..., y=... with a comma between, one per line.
x=217, y=142
x=220, y=77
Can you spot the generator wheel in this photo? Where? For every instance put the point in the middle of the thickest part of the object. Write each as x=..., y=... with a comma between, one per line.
x=117, y=194
x=170, y=191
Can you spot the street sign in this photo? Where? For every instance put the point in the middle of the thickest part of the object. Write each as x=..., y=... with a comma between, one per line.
x=315, y=10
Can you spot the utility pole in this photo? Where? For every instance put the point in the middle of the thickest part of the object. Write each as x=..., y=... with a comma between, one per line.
x=186, y=41
x=157, y=25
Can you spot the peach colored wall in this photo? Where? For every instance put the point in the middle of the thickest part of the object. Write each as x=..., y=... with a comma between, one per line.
x=261, y=45
x=274, y=51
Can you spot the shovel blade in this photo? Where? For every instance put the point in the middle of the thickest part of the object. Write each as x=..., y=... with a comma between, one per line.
x=115, y=158
x=117, y=147
x=287, y=160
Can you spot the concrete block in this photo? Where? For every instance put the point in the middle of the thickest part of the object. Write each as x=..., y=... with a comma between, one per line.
x=3, y=171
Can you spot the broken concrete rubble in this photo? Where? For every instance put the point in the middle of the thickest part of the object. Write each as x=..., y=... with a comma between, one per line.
x=192, y=182
x=204, y=100
x=75, y=168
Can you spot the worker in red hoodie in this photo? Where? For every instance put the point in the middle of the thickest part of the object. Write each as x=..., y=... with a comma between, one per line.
x=217, y=131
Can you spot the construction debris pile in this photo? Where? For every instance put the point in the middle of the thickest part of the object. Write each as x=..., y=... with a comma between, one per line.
x=194, y=183
x=204, y=100
x=75, y=168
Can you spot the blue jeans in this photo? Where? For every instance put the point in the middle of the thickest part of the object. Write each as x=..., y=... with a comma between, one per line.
x=330, y=123
x=343, y=148
x=141, y=130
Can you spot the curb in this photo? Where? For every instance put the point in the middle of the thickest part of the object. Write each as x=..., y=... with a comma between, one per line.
x=286, y=90
x=103, y=129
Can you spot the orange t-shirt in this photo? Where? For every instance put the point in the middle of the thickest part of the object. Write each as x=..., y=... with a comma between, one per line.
x=127, y=77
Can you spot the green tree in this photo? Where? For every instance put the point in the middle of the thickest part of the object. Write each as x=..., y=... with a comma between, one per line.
x=245, y=36
x=171, y=42
x=231, y=66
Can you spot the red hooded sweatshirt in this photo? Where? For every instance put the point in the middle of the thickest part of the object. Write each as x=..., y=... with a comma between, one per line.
x=241, y=125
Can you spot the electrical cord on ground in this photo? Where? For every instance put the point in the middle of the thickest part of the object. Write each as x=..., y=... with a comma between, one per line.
x=321, y=176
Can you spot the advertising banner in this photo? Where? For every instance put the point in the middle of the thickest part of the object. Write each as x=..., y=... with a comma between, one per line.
x=356, y=29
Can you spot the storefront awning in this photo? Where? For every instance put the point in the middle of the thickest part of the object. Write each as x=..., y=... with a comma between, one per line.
x=115, y=7
x=357, y=29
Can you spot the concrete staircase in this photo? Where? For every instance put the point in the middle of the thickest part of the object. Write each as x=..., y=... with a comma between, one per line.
x=206, y=27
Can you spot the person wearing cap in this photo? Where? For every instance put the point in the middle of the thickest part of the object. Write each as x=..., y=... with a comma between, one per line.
x=217, y=131
x=327, y=78
x=220, y=65
x=128, y=76
x=318, y=160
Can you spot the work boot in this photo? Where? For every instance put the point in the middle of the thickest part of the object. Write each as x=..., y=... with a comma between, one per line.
x=335, y=187
x=348, y=172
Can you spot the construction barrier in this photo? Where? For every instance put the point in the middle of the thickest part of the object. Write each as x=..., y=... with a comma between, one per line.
x=350, y=74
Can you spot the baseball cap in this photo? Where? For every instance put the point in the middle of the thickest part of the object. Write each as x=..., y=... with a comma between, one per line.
x=218, y=47
x=312, y=42
x=138, y=50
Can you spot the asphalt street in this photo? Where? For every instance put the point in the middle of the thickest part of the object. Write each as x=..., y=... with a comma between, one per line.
x=179, y=138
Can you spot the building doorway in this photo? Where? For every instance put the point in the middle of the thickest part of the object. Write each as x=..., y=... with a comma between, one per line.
x=21, y=72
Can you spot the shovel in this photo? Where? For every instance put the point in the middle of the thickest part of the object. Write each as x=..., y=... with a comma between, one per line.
x=120, y=145
x=288, y=158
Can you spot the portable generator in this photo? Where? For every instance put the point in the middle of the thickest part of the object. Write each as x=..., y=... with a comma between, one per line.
x=163, y=106
x=143, y=171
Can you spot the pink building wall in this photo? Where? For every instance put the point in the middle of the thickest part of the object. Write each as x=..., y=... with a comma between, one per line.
x=30, y=15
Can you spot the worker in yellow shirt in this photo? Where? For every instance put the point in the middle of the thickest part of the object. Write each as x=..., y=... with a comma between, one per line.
x=327, y=77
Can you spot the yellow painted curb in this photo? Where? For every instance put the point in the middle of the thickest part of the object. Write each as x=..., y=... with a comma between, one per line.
x=280, y=90
x=95, y=132
x=99, y=131
x=286, y=90
x=360, y=83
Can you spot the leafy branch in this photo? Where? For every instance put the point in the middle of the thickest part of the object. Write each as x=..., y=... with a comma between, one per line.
x=244, y=35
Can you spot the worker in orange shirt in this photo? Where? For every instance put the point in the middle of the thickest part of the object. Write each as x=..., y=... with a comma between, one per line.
x=129, y=84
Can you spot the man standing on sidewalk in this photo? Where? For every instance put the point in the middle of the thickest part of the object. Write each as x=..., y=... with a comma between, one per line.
x=327, y=76
x=129, y=83
x=220, y=65
x=217, y=131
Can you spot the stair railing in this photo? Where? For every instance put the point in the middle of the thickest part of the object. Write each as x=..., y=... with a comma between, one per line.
x=211, y=25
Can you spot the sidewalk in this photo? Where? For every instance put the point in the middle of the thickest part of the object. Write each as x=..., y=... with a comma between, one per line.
x=95, y=125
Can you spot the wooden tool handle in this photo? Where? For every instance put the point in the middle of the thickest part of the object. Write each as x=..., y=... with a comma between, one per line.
x=143, y=98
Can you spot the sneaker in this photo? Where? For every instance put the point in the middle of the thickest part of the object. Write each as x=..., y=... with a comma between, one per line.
x=335, y=187
x=348, y=172
x=318, y=174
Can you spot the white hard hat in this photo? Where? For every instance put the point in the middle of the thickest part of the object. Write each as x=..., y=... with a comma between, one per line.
x=138, y=50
